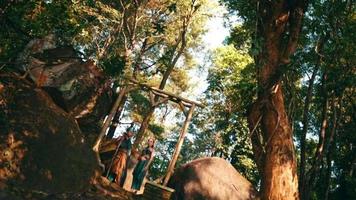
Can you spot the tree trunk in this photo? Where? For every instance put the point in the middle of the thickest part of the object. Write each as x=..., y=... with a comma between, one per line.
x=321, y=144
x=328, y=176
x=302, y=175
x=305, y=130
x=147, y=118
x=330, y=148
x=328, y=170
x=279, y=176
x=275, y=154
x=144, y=125
x=173, y=61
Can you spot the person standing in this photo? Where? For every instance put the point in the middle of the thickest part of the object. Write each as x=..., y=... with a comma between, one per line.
x=119, y=163
x=145, y=160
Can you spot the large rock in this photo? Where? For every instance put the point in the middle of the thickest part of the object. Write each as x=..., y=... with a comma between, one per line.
x=79, y=87
x=41, y=145
x=210, y=179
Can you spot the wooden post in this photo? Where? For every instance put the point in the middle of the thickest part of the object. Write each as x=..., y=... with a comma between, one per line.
x=116, y=118
x=108, y=121
x=178, y=145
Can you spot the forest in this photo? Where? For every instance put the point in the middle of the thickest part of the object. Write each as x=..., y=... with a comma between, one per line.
x=126, y=99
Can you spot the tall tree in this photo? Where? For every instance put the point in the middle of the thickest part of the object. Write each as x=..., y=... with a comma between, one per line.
x=278, y=25
x=188, y=27
x=322, y=30
x=221, y=129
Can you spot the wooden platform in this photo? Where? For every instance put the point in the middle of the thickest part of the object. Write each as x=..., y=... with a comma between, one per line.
x=154, y=191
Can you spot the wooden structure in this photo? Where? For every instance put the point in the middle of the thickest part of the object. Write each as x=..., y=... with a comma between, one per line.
x=183, y=103
x=187, y=106
x=156, y=191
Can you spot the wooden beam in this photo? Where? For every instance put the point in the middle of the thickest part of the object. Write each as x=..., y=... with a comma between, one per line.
x=152, y=98
x=184, y=100
x=108, y=120
x=182, y=107
x=178, y=146
x=164, y=100
x=159, y=94
x=174, y=99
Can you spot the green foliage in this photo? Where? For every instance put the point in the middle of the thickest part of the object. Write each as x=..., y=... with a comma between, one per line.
x=139, y=104
x=113, y=66
x=240, y=37
x=333, y=23
x=221, y=128
x=327, y=45
x=244, y=9
x=26, y=20
x=143, y=38
x=165, y=149
x=157, y=130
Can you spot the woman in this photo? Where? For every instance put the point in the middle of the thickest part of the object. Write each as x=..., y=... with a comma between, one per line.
x=119, y=164
x=142, y=166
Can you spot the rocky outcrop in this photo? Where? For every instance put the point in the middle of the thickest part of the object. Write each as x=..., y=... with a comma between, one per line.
x=78, y=87
x=49, y=119
x=41, y=145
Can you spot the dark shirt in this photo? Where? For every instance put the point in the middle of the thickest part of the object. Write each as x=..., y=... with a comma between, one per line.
x=146, y=152
x=126, y=144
